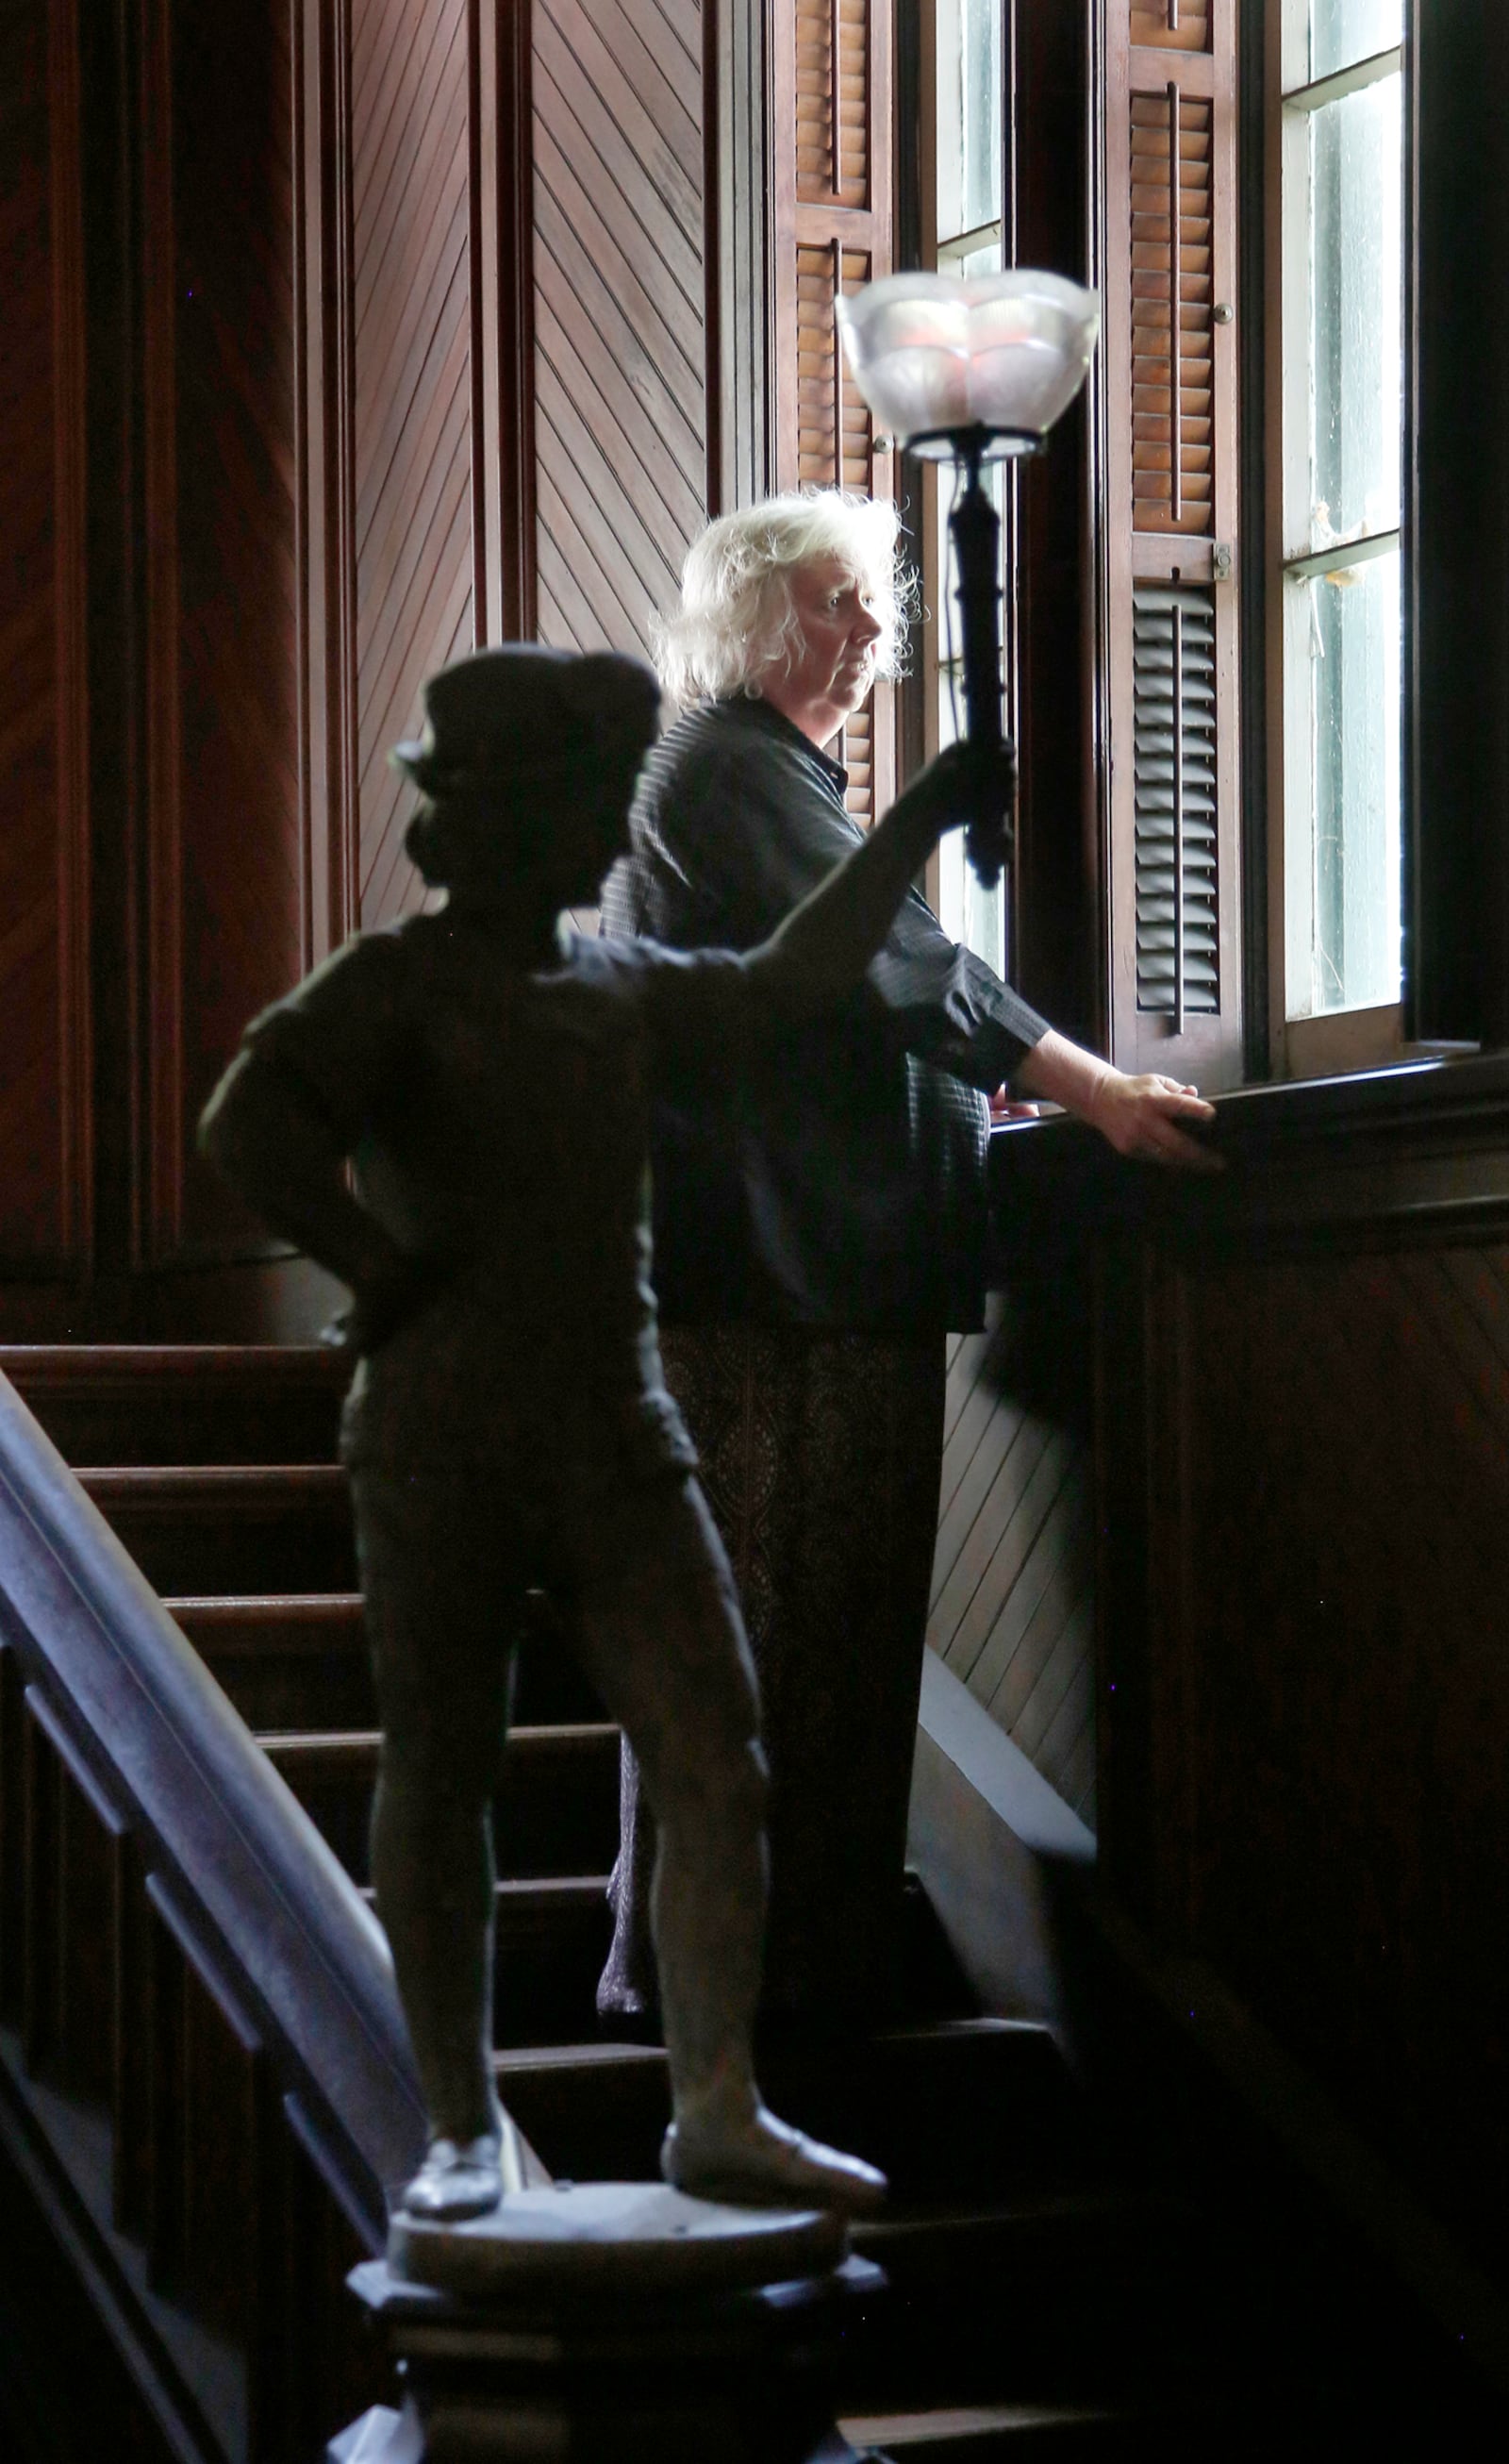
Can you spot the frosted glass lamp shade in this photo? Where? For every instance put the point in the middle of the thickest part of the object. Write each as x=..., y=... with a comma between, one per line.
x=934, y=356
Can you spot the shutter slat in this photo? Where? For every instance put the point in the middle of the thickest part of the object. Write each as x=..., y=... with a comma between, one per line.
x=1174, y=801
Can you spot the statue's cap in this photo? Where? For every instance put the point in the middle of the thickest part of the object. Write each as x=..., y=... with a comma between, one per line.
x=519, y=712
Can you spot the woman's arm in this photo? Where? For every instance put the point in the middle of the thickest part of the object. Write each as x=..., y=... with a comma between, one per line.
x=1137, y=1115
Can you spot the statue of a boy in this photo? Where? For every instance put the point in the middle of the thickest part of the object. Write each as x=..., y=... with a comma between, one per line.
x=487, y=1074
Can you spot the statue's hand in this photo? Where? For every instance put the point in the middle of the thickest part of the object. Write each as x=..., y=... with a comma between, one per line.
x=966, y=782
x=387, y=1298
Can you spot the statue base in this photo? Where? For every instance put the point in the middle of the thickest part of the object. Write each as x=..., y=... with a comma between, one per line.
x=612, y=2323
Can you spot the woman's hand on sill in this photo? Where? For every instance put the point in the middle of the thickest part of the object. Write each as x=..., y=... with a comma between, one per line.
x=1139, y=1116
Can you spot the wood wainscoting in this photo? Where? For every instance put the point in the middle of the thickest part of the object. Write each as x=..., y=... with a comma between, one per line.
x=1301, y=1473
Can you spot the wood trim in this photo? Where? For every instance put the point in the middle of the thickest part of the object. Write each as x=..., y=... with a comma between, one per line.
x=712, y=280
x=326, y=380
x=742, y=406
x=164, y=992
x=1208, y=1046
x=500, y=36
x=71, y=569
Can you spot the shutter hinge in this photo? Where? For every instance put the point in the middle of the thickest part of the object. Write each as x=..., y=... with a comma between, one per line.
x=1220, y=564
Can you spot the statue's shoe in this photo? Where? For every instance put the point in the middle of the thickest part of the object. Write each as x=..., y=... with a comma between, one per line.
x=456, y=2180
x=766, y=2164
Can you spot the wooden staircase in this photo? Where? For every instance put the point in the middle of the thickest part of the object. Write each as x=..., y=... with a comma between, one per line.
x=1029, y=2305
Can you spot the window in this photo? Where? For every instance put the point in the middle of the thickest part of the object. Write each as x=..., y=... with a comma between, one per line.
x=1341, y=271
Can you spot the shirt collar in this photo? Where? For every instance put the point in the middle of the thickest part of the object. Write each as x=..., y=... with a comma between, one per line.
x=759, y=713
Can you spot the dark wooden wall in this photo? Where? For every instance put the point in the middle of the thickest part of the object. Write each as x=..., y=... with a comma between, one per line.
x=620, y=319
x=1301, y=1498
x=412, y=329
x=44, y=1103
x=1012, y=1607
x=343, y=335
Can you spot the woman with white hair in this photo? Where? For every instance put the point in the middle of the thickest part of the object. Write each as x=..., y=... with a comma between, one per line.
x=819, y=1225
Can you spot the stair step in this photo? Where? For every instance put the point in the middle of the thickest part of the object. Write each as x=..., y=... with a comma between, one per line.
x=980, y=2433
x=231, y=1528
x=182, y=1403
x=966, y=2110
x=557, y=1813
x=595, y=2112
x=972, y=2112
x=288, y=1660
x=551, y=1937
x=298, y=1661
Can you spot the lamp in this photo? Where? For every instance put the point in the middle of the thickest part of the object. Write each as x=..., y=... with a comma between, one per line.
x=971, y=372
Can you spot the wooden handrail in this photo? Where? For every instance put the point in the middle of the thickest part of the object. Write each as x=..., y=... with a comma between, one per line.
x=238, y=1857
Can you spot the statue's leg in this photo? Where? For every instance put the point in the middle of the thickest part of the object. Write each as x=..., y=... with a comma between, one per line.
x=439, y=1608
x=665, y=1644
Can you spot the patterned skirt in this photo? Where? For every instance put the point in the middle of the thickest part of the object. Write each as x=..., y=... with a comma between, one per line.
x=820, y=1456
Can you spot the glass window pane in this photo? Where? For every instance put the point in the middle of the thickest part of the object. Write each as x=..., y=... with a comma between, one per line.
x=1345, y=30
x=1356, y=340
x=1355, y=638
x=969, y=114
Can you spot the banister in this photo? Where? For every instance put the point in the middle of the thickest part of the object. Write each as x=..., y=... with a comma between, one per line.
x=242, y=1863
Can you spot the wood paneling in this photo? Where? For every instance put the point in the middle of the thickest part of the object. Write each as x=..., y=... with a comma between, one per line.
x=1333, y=1699
x=227, y=822
x=1013, y=1603
x=1303, y=1495
x=410, y=89
x=620, y=402
x=44, y=1110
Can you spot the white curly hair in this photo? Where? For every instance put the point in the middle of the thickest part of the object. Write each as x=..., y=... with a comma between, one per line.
x=736, y=620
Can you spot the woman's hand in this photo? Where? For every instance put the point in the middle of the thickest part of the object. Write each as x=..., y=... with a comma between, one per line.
x=1139, y=1116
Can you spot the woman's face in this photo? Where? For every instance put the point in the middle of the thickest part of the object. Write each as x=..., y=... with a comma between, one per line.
x=832, y=659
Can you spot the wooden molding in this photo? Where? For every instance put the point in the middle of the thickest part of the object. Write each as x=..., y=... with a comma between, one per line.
x=163, y=1228
x=76, y=1125
x=326, y=387
x=740, y=258
x=500, y=60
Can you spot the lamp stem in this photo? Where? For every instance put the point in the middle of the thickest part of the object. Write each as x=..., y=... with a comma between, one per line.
x=976, y=527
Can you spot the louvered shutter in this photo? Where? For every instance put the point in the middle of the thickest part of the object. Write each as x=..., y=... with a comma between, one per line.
x=832, y=232
x=1171, y=510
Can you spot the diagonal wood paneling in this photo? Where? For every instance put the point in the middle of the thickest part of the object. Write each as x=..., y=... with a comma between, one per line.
x=233, y=819
x=620, y=364
x=43, y=1128
x=413, y=445
x=1013, y=1578
x=1330, y=1690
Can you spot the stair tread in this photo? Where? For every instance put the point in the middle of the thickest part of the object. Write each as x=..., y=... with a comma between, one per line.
x=360, y=1744
x=231, y=1609
x=970, y=2421
x=122, y=1480
x=245, y=1364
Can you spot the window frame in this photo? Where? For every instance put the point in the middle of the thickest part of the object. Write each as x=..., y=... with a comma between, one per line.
x=1326, y=1043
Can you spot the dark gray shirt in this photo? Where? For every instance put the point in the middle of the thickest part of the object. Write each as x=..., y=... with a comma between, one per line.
x=837, y=1178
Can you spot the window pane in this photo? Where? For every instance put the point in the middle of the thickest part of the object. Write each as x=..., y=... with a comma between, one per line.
x=1354, y=640
x=1355, y=340
x=969, y=114
x=1345, y=30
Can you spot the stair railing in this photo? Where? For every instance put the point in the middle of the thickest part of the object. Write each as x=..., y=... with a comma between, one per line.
x=203, y=2070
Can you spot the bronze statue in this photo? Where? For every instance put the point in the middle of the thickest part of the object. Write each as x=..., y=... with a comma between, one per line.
x=487, y=1074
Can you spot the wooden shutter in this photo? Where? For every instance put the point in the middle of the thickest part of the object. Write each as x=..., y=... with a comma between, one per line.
x=832, y=219
x=1171, y=519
